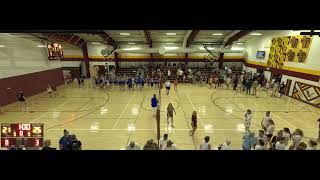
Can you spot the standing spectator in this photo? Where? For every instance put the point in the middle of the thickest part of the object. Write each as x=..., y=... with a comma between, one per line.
x=280, y=144
x=129, y=83
x=47, y=144
x=163, y=141
x=210, y=82
x=248, y=86
x=296, y=138
x=282, y=89
x=287, y=135
x=312, y=145
x=265, y=121
x=55, y=92
x=193, y=123
x=49, y=90
x=248, y=141
x=255, y=87
x=133, y=146
x=79, y=81
x=228, y=81
x=205, y=145
x=235, y=83
x=275, y=89
x=301, y=146
x=262, y=136
x=170, y=146
x=247, y=120
x=22, y=100
x=269, y=131
x=82, y=81
x=74, y=143
x=170, y=110
x=63, y=142
x=260, y=145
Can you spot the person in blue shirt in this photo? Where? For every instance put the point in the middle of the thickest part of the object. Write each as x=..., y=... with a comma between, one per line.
x=248, y=141
x=63, y=142
x=154, y=104
x=130, y=83
x=139, y=82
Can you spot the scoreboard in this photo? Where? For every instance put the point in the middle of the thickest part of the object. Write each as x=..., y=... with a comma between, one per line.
x=22, y=135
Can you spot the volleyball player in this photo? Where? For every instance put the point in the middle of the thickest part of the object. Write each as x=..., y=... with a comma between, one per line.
x=170, y=110
x=168, y=86
x=193, y=123
x=175, y=84
x=265, y=121
x=247, y=120
x=54, y=89
x=205, y=145
x=154, y=104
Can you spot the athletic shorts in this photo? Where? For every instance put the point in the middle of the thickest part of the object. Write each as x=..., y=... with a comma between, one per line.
x=269, y=136
x=21, y=100
x=168, y=88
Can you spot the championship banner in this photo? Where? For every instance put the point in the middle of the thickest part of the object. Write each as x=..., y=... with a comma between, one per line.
x=290, y=49
x=307, y=93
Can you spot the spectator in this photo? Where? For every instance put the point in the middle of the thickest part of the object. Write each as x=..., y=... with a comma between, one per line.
x=170, y=146
x=301, y=146
x=74, y=143
x=226, y=145
x=280, y=144
x=133, y=146
x=163, y=141
x=296, y=138
x=63, y=142
x=262, y=136
x=49, y=89
x=312, y=145
x=150, y=145
x=47, y=144
x=286, y=135
x=260, y=145
x=205, y=144
x=265, y=121
x=248, y=141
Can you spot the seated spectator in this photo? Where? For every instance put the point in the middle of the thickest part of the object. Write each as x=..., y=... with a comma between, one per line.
x=312, y=145
x=133, y=146
x=150, y=145
x=170, y=146
x=226, y=145
x=301, y=146
x=47, y=144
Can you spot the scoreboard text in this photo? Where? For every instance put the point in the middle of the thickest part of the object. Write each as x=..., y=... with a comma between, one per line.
x=22, y=135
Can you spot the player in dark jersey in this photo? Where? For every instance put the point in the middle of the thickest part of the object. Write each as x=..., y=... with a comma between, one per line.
x=193, y=123
x=22, y=100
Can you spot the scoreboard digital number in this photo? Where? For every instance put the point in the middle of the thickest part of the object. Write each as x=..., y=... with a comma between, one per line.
x=21, y=135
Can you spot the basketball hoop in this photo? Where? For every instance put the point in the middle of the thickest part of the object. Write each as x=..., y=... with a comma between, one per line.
x=211, y=57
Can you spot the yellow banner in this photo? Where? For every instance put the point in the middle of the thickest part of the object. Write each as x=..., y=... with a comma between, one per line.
x=289, y=48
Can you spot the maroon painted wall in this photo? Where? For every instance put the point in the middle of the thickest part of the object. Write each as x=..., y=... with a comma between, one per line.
x=30, y=84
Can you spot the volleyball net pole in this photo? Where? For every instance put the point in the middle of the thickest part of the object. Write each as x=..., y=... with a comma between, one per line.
x=158, y=109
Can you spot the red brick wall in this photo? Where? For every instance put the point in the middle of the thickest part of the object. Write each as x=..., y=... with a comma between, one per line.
x=30, y=84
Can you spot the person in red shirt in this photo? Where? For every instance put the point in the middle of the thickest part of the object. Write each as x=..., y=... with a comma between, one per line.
x=193, y=123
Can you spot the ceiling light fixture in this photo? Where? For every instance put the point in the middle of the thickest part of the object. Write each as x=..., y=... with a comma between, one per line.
x=131, y=43
x=217, y=34
x=1, y=45
x=125, y=34
x=171, y=34
x=131, y=49
x=41, y=46
x=95, y=43
x=169, y=43
x=255, y=34
x=171, y=48
x=237, y=49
